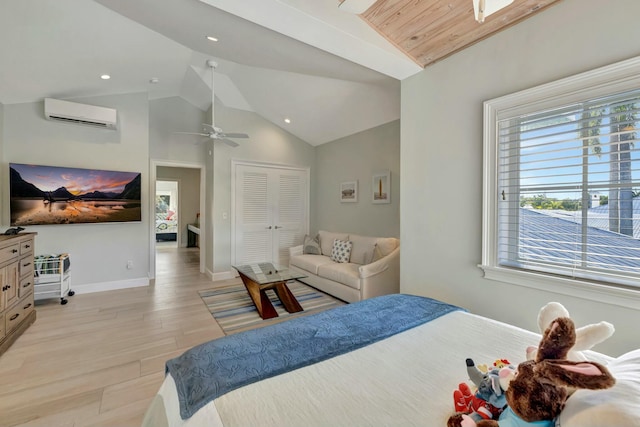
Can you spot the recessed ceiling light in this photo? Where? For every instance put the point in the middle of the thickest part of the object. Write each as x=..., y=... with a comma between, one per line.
x=154, y=80
x=287, y=120
x=105, y=77
x=213, y=39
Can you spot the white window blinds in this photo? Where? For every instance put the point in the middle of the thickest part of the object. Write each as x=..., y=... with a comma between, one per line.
x=568, y=181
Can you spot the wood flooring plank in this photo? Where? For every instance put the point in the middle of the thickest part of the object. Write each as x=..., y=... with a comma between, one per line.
x=130, y=415
x=36, y=412
x=67, y=417
x=99, y=360
x=122, y=394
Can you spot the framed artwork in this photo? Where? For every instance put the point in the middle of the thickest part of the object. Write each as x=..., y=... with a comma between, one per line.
x=349, y=192
x=381, y=187
x=42, y=195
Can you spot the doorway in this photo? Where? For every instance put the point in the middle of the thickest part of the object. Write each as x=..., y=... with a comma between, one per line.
x=177, y=204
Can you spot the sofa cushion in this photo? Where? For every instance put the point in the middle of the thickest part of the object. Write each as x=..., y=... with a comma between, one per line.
x=311, y=245
x=369, y=249
x=341, y=251
x=309, y=263
x=345, y=273
x=386, y=244
x=327, y=238
x=363, y=248
x=377, y=254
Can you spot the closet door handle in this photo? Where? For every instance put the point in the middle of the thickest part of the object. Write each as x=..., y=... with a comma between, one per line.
x=269, y=227
x=277, y=226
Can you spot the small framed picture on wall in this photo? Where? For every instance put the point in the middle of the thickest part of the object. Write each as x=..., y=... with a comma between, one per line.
x=349, y=192
x=381, y=187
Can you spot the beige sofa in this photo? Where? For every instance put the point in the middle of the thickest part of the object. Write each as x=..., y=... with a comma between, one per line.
x=373, y=268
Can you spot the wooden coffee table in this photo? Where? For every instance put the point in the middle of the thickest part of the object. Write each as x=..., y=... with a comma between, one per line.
x=260, y=277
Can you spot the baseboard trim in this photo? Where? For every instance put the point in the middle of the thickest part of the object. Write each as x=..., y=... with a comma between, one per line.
x=225, y=275
x=110, y=286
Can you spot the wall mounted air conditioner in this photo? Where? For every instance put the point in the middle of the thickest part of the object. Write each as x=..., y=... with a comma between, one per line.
x=80, y=114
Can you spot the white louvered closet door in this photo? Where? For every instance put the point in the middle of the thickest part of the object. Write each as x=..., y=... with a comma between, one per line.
x=271, y=213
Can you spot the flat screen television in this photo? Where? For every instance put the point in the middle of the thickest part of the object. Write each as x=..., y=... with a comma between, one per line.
x=42, y=195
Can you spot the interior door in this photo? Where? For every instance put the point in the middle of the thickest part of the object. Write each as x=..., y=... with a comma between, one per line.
x=270, y=212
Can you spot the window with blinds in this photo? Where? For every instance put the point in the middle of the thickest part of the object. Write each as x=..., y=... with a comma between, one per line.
x=561, y=185
x=571, y=183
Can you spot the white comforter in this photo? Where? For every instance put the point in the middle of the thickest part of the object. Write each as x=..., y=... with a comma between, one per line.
x=404, y=380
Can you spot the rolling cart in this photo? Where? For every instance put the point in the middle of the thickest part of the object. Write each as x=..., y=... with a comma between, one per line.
x=52, y=277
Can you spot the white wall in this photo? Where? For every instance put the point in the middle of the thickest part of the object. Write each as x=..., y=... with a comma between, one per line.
x=2, y=176
x=441, y=156
x=99, y=252
x=358, y=157
x=170, y=115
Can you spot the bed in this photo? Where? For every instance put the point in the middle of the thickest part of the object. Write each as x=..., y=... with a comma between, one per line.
x=402, y=375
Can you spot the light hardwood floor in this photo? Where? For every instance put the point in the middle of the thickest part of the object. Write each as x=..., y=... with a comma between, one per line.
x=98, y=360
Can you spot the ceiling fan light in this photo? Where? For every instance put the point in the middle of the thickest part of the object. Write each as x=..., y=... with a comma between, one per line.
x=356, y=6
x=484, y=8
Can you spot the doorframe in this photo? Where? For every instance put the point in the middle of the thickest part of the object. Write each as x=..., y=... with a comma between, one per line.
x=152, y=208
x=232, y=209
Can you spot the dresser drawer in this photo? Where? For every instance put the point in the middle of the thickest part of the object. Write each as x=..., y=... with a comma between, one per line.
x=26, y=286
x=18, y=313
x=9, y=252
x=26, y=247
x=26, y=266
x=2, y=326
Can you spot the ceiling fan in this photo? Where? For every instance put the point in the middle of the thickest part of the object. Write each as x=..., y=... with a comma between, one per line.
x=210, y=130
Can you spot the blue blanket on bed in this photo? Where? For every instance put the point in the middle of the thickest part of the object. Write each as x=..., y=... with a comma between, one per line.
x=212, y=369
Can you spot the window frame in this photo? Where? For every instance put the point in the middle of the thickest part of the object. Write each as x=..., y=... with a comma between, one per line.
x=619, y=77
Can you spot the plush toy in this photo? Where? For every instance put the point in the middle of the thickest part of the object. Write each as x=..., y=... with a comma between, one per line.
x=489, y=400
x=540, y=388
x=586, y=336
x=12, y=231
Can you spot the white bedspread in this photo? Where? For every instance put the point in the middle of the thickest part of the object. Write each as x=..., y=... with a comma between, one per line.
x=404, y=380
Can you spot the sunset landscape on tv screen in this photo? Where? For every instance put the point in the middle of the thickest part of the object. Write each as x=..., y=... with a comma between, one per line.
x=59, y=195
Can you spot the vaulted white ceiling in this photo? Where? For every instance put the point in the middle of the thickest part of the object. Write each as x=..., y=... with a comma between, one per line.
x=304, y=59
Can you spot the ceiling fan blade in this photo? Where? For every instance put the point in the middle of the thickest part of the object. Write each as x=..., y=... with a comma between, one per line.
x=192, y=133
x=230, y=142
x=234, y=135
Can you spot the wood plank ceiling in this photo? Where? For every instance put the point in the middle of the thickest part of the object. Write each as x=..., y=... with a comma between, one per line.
x=430, y=30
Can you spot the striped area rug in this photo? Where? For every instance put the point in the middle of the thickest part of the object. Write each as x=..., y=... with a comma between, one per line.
x=233, y=309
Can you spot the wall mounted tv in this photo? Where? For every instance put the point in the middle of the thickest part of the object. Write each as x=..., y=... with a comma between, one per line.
x=57, y=195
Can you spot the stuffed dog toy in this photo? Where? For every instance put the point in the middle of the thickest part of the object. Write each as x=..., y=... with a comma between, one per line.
x=540, y=388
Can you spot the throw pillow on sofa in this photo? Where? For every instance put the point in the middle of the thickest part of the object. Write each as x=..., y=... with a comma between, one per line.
x=311, y=245
x=377, y=254
x=341, y=251
x=327, y=238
